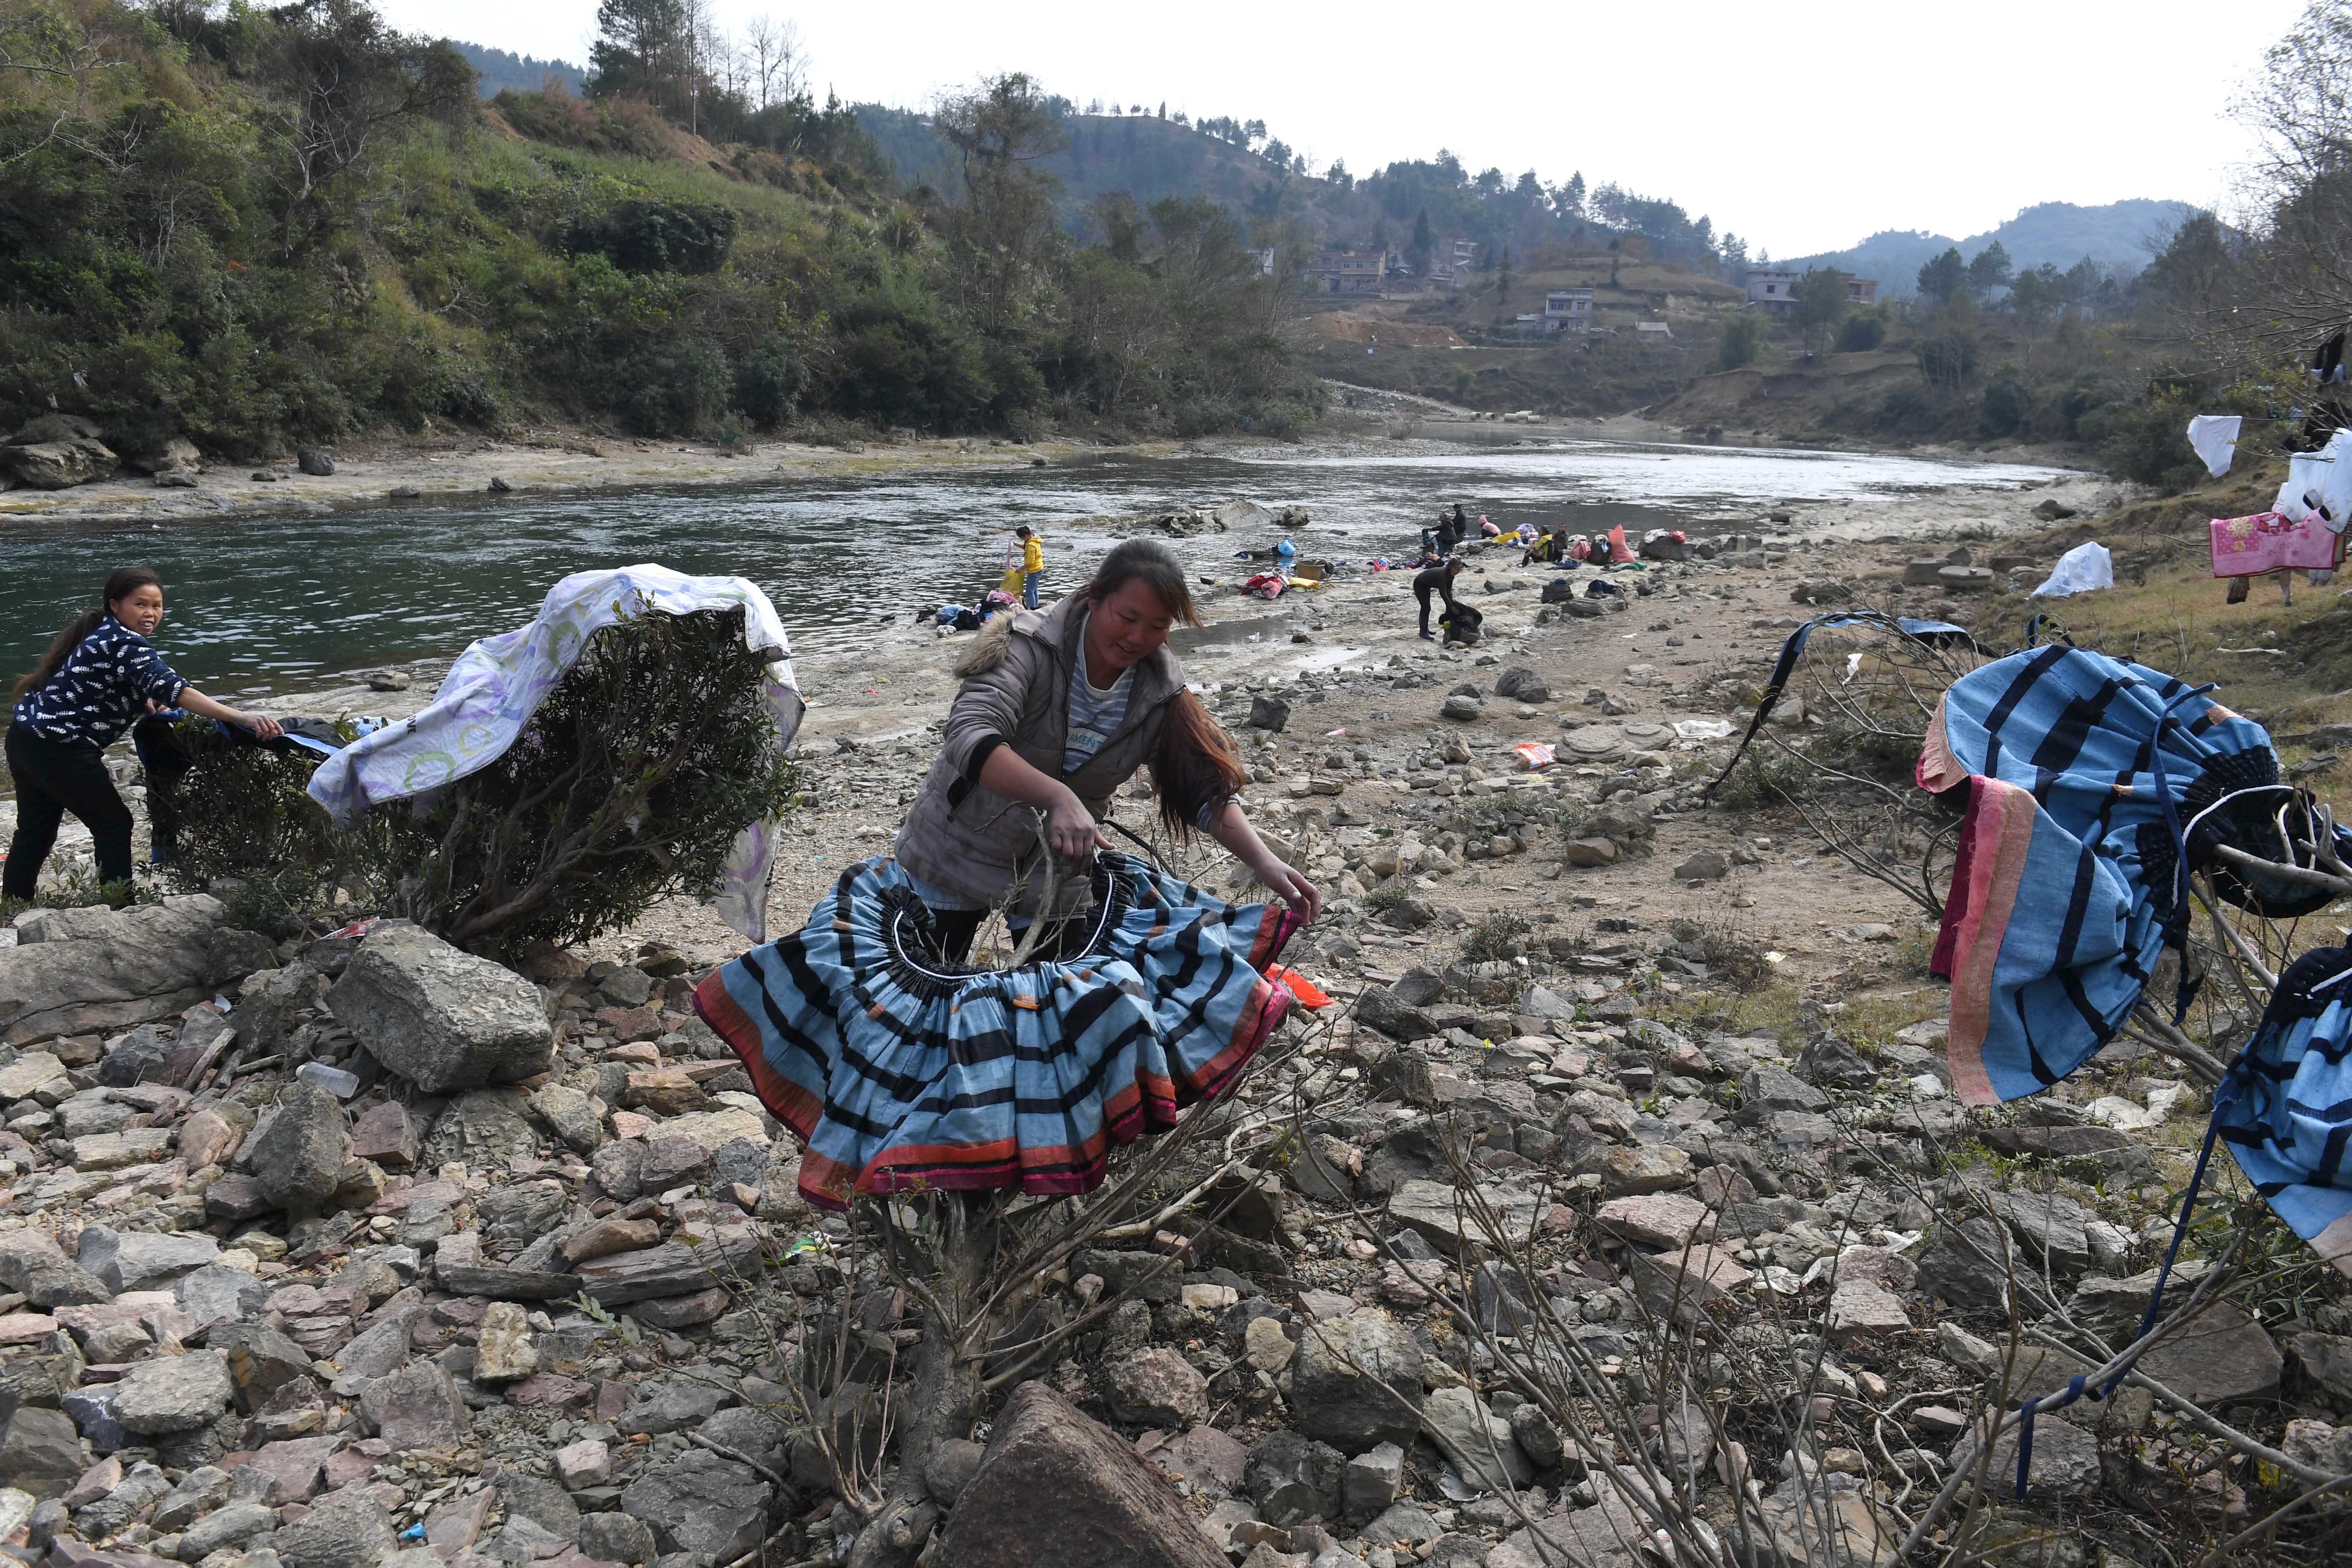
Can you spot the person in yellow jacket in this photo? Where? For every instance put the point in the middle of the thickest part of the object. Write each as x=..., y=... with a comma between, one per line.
x=1032, y=564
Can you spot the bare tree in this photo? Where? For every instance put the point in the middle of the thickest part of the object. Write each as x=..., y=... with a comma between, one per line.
x=2301, y=181
x=778, y=59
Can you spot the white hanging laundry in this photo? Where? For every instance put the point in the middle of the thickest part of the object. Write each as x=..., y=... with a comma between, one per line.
x=2215, y=437
x=2079, y=571
x=2324, y=477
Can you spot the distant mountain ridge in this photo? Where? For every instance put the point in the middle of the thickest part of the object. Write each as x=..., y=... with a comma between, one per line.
x=2121, y=235
x=501, y=69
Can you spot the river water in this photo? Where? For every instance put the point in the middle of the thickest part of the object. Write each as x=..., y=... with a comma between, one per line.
x=273, y=602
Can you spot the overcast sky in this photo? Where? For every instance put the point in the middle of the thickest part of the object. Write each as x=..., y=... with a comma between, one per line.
x=1799, y=127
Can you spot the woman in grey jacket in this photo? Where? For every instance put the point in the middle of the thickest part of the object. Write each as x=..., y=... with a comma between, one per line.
x=1058, y=707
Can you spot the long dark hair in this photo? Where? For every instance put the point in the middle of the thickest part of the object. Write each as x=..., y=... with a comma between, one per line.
x=1193, y=764
x=120, y=583
x=1157, y=567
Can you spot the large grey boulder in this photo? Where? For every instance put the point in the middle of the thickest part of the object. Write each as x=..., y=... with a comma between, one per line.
x=1355, y=1382
x=418, y=1406
x=32, y=1265
x=512, y=1217
x=60, y=465
x=173, y=1394
x=1477, y=1440
x=2066, y=1461
x=99, y=971
x=347, y=1530
x=217, y=1292
x=40, y=1452
x=141, y=1260
x=1765, y=1090
x=382, y=1348
x=701, y=1503
x=232, y=1526
x=1384, y=1009
x=1056, y=1487
x=440, y=1017
x=673, y=1268
x=570, y=1115
x=297, y=1156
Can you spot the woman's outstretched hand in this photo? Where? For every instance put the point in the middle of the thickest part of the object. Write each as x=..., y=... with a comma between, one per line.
x=1291, y=887
x=261, y=725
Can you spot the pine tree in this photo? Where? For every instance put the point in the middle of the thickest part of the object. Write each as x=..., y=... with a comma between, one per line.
x=643, y=51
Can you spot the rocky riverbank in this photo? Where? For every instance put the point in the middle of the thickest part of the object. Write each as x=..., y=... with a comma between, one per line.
x=364, y=1253
x=379, y=472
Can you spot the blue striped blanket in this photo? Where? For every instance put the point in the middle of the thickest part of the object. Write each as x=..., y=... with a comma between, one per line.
x=2084, y=774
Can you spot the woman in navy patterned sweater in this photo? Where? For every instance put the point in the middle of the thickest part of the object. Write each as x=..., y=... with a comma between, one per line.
x=98, y=676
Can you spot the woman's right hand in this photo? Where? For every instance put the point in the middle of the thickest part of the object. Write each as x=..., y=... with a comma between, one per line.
x=1070, y=831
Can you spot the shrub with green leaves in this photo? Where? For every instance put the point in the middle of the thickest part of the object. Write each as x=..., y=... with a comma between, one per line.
x=627, y=786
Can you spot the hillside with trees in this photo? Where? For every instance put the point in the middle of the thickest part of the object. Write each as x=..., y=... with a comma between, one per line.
x=1408, y=206
x=251, y=229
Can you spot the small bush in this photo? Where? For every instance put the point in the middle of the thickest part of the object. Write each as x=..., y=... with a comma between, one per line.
x=673, y=388
x=645, y=235
x=2140, y=439
x=2007, y=404
x=768, y=381
x=1728, y=953
x=1492, y=935
x=610, y=125
x=1766, y=776
x=1862, y=331
x=251, y=803
x=1742, y=341
x=628, y=786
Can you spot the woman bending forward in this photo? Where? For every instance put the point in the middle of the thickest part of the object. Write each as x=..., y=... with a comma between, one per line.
x=1057, y=710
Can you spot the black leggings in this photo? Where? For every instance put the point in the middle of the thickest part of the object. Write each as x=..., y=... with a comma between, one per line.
x=1422, y=593
x=954, y=930
x=53, y=777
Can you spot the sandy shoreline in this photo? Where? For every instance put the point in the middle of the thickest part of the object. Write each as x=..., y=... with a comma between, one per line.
x=379, y=472
x=368, y=475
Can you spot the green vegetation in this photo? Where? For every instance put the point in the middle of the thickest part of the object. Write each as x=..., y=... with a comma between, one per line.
x=254, y=228
x=628, y=786
x=1741, y=340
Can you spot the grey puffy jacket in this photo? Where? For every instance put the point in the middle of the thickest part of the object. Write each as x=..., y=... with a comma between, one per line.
x=965, y=839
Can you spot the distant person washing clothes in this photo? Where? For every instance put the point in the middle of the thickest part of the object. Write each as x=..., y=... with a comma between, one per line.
x=1437, y=580
x=100, y=675
x=1032, y=564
